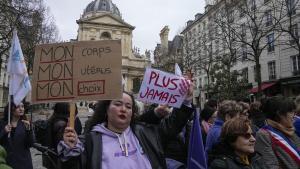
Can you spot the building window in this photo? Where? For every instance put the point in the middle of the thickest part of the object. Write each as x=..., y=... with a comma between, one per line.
x=205, y=82
x=254, y=72
x=136, y=85
x=291, y=7
x=206, y=96
x=231, y=16
x=243, y=29
x=295, y=65
x=103, y=6
x=272, y=70
x=269, y=19
x=270, y=39
x=242, y=10
x=244, y=56
x=200, y=83
x=217, y=46
x=253, y=4
x=245, y=73
x=295, y=35
x=5, y=96
x=294, y=30
x=105, y=36
x=244, y=52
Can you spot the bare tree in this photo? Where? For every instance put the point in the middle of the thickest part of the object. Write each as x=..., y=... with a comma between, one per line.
x=225, y=78
x=199, y=56
x=289, y=23
x=255, y=30
x=31, y=19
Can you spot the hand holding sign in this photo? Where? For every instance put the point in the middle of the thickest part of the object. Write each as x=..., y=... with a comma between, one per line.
x=163, y=88
x=189, y=90
x=184, y=86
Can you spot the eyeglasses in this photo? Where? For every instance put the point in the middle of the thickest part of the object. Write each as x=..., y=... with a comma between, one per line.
x=247, y=135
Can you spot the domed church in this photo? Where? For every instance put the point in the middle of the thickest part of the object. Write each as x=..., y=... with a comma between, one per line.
x=102, y=20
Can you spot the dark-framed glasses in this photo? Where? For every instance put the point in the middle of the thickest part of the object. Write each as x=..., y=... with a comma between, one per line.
x=247, y=135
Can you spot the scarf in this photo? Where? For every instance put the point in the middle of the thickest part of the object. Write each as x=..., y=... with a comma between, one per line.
x=245, y=160
x=279, y=137
x=285, y=130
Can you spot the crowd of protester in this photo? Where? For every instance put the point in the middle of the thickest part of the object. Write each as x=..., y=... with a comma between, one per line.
x=236, y=135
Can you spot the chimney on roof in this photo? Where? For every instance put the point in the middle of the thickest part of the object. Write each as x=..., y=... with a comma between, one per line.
x=164, y=39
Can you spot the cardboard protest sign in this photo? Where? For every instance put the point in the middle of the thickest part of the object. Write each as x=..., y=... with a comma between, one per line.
x=77, y=71
x=162, y=88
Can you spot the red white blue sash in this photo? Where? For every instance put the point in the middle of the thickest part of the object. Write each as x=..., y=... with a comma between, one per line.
x=283, y=142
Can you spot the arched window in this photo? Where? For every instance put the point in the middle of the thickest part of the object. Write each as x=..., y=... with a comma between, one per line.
x=105, y=35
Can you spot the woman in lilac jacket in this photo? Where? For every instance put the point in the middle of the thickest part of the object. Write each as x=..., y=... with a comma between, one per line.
x=116, y=140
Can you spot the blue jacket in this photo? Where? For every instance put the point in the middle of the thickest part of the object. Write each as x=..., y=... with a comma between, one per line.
x=213, y=135
x=297, y=125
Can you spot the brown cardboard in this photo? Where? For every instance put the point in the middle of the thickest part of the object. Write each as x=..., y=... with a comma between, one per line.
x=86, y=70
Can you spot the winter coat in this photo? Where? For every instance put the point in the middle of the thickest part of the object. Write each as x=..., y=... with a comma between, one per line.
x=151, y=138
x=17, y=145
x=234, y=162
x=274, y=156
x=177, y=147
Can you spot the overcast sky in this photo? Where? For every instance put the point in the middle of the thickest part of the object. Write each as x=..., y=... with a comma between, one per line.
x=148, y=17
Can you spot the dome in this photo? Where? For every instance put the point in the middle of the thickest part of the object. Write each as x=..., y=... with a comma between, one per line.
x=102, y=6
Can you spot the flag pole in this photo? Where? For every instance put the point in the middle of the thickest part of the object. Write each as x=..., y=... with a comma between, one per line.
x=9, y=112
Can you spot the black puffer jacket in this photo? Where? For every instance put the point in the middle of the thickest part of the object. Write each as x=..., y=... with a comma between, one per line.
x=175, y=148
x=151, y=137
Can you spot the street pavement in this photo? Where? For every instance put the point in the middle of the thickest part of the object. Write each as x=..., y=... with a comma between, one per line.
x=36, y=159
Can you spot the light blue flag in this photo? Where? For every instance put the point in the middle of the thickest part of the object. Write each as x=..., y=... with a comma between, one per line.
x=19, y=83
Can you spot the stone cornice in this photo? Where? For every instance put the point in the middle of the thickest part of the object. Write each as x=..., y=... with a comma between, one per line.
x=89, y=21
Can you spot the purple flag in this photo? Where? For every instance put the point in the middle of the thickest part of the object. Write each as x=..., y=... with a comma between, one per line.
x=196, y=156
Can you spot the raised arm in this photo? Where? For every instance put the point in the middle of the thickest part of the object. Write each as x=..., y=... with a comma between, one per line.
x=173, y=124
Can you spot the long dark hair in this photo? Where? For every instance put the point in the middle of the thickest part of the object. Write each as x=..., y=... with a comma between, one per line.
x=100, y=114
x=13, y=107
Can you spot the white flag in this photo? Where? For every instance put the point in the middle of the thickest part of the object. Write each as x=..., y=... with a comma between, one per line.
x=178, y=71
x=19, y=83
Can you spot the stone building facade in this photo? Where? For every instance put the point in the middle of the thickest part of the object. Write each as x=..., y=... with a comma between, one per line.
x=279, y=59
x=167, y=53
x=102, y=20
x=3, y=83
